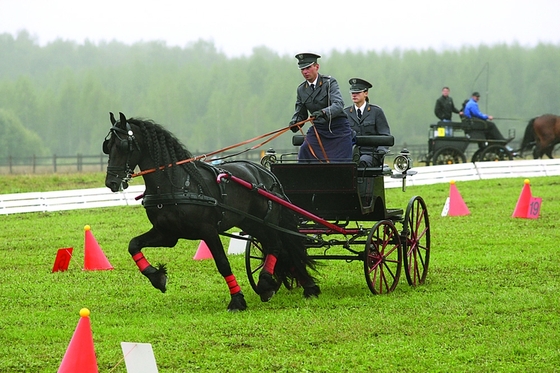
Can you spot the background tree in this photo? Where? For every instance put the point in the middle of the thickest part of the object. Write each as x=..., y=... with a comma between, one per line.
x=64, y=91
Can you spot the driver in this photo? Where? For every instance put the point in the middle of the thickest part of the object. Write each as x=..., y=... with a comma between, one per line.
x=330, y=137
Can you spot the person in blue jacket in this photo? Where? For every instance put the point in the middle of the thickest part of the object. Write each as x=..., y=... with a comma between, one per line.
x=478, y=118
x=318, y=96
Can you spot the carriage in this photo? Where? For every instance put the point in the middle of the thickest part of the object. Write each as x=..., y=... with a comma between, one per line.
x=448, y=143
x=291, y=214
x=343, y=216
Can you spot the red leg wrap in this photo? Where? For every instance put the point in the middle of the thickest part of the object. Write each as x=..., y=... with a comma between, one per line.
x=141, y=262
x=232, y=284
x=270, y=263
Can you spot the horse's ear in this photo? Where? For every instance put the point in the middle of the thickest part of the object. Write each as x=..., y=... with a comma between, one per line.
x=123, y=118
x=113, y=121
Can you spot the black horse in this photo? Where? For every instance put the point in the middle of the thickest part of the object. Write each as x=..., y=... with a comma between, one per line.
x=542, y=134
x=185, y=201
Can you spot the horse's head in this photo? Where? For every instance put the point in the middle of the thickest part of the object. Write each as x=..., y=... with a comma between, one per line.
x=124, y=153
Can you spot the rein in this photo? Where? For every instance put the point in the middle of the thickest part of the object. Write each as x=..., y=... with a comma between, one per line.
x=273, y=134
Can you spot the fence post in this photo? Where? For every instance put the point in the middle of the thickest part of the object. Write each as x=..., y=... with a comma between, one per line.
x=54, y=162
x=34, y=162
x=10, y=163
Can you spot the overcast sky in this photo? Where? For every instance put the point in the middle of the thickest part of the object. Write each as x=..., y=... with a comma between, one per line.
x=236, y=27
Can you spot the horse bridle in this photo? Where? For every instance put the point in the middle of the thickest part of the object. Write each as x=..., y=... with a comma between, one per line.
x=128, y=145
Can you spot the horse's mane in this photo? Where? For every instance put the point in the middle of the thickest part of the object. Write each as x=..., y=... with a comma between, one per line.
x=166, y=149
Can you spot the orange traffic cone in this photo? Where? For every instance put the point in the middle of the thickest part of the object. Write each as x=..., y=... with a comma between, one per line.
x=94, y=258
x=455, y=204
x=522, y=206
x=203, y=252
x=80, y=354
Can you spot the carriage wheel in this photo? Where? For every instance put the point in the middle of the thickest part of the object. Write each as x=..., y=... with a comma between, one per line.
x=383, y=258
x=417, y=243
x=254, y=262
x=448, y=155
x=495, y=153
x=476, y=155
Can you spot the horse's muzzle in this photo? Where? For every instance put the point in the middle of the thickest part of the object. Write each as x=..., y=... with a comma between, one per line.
x=115, y=184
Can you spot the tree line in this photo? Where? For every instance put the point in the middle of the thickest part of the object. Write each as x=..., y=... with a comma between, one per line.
x=56, y=99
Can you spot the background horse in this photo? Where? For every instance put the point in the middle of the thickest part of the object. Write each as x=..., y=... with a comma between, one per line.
x=542, y=133
x=186, y=201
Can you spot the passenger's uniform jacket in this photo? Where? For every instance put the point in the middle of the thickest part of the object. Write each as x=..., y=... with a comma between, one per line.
x=373, y=122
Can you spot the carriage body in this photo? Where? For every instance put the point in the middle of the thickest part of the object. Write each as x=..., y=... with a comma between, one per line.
x=335, y=191
x=448, y=143
x=343, y=216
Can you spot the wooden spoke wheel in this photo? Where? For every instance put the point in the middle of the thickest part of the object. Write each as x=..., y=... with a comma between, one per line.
x=383, y=258
x=417, y=243
x=495, y=153
x=448, y=155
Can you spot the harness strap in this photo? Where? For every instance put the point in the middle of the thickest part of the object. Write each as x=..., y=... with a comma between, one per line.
x=320, y=145
x=274, y=134
x=152, y=200
x=159, y=200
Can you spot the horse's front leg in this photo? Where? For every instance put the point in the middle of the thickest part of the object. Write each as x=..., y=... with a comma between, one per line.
x=152, y=238
x=214, y=243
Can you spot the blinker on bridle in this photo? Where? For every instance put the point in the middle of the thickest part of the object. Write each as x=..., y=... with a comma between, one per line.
x=123, y=144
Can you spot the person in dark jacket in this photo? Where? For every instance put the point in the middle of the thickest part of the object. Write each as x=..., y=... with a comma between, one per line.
x=367, y=119
x=318, y=96
x=445, y=107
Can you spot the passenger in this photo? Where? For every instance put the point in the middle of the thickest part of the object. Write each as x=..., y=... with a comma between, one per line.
x=367, y=119
x=445, y=107
x=479, y=119
x=330, y=136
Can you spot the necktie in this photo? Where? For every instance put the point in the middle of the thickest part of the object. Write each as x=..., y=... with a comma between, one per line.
x=359, y=114
x=312, y=87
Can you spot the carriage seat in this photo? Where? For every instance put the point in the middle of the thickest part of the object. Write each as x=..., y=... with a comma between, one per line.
x=370, y=140
x=458, y=130
x=366, y=140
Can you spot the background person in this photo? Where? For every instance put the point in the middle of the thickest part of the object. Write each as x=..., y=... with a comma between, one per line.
x=320, y=96
x=445, y=107
x=473, y=113
x=367, y=119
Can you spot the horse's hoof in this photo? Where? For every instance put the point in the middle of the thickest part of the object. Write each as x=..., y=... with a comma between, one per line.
x=267, y=295
x=266, y=287
x=311, y=291
x=237, y=303
x=157, y=277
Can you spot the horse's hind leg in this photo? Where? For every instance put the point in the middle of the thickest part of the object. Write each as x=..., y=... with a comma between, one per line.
x=237, y=302
x=267, y=285
x=152, y=238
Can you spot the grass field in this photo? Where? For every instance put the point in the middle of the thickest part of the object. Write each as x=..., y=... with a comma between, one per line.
x=490, y=303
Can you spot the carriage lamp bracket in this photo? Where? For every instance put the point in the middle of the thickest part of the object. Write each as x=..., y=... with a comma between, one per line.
x=403, y=162
x=402, y=165
x=268, y=158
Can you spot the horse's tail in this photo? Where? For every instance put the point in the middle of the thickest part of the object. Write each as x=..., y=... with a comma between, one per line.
x=529, y=137
x=295, y=261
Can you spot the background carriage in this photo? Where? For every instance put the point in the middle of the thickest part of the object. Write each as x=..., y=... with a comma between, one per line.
x=448, y=143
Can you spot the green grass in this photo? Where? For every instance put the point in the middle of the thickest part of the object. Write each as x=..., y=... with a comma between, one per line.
x=490, y=303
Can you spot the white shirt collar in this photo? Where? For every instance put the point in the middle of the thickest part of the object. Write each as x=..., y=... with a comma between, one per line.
x=315, y=81
x=361, y=107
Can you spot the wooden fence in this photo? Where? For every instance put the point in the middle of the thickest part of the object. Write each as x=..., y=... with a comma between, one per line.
x=103, y=197
x=98, y=163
